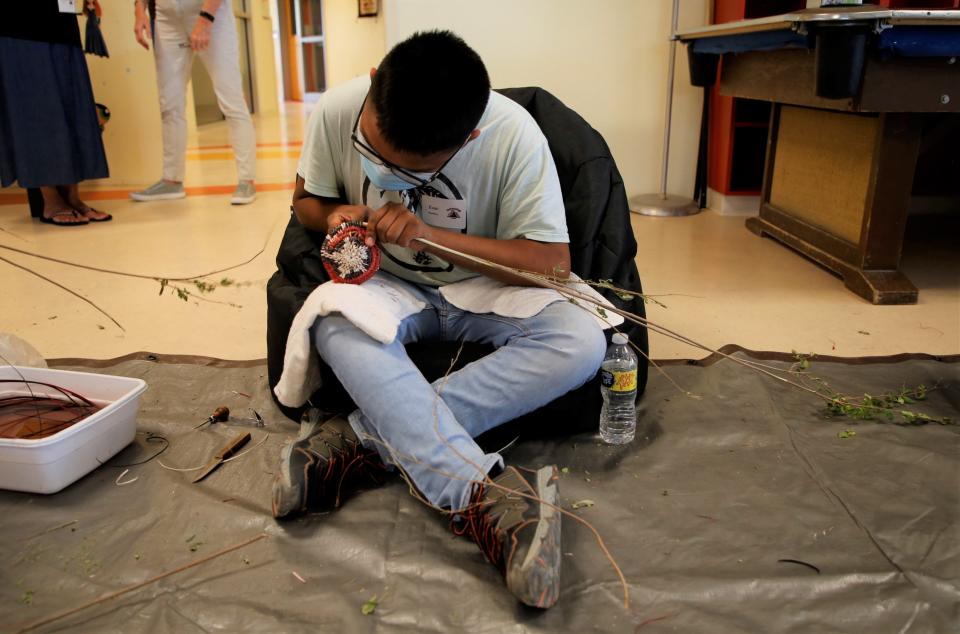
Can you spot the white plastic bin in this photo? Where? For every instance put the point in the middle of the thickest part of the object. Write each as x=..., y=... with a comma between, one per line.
x=49, y=464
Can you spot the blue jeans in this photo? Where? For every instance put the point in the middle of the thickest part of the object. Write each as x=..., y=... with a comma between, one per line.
x=428, y=429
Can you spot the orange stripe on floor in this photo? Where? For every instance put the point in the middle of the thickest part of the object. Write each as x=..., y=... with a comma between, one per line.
x=230, y=147
x=229, y=156
x=20, y=198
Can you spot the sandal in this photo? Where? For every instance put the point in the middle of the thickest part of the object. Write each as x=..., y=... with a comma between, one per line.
x=65, y=213
x=88, y=209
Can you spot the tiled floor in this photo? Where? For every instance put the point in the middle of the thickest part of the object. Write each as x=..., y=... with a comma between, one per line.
x=721, y=284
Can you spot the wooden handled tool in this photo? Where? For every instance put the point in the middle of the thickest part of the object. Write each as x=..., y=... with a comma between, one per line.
x=228, y=450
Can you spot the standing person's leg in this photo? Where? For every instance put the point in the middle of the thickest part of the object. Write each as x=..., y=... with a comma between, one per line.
x=221, y=60
x=71, y=194
x=56, y=211
x=173, y=58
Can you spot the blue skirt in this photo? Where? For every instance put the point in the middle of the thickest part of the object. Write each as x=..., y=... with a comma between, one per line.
x=49, y=133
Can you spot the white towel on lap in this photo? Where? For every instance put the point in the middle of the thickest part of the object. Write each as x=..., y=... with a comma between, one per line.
x=376, y=307
x=379, y=305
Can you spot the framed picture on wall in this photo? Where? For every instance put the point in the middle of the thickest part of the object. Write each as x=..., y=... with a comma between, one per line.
x=368, y=8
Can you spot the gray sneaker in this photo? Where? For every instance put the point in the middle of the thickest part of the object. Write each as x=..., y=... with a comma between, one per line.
x=323, y=466
x=516, y=523
x=244, y=194
x=159, y=191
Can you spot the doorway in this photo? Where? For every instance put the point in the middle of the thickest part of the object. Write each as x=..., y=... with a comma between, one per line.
x=302, y=51
x=204, y=97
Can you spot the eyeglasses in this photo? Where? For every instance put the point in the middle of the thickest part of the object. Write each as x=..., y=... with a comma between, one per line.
x=374, y=157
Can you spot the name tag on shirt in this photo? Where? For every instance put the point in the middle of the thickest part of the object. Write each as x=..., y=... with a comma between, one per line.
x=444, y=212
x=70, y=6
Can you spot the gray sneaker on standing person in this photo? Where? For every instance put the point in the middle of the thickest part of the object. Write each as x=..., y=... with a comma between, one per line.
x=161, y=190
x=178, y=31
x=244, y=194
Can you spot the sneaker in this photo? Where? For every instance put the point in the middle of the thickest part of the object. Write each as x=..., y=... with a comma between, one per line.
x=244, y=194
x=160, y=190
x=322, y=466
x=518, y=534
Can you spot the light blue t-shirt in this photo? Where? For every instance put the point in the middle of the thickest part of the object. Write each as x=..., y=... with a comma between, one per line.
x=504, y=181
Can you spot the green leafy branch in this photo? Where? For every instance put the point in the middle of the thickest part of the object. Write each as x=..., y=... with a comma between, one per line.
x=200, y=288
x=183, y=292
x=607, y=284
x=891, y=407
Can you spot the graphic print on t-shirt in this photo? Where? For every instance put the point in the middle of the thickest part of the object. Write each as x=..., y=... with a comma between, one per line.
x=411, y=259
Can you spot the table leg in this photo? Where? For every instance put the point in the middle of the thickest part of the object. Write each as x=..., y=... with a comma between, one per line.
x=868, y=262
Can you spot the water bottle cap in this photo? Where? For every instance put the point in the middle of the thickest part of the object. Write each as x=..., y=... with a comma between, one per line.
x=620, y=339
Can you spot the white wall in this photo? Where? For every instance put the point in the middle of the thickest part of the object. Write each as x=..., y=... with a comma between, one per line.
x=606, y=59
x=262, y=51
x=126, y=82
x=353, y=45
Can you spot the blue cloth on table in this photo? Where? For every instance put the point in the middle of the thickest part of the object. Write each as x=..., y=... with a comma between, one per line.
x=743, y=42
x=921, y=41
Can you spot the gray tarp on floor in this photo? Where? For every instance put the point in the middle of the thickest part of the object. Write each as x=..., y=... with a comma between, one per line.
x=697, y=517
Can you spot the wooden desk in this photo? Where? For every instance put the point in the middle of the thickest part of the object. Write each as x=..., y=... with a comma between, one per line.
x=850, y=88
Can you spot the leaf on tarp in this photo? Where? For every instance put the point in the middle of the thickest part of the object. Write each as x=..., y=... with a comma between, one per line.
x=370, y=606
x=579, y=504
x=846, y=433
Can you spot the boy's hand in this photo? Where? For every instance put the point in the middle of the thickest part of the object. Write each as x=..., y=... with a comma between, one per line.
x=395, y=224
x=347, y=213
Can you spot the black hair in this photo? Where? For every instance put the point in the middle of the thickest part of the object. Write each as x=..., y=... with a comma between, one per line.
x=429, y=92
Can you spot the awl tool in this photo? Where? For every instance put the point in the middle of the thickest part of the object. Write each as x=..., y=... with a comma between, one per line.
x=228, y=450
x=219, y=415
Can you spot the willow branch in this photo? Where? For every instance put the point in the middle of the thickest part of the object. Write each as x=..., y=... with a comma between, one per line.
x=62, y=615
x=544, y=282
x=139, y=275
x=61, y=286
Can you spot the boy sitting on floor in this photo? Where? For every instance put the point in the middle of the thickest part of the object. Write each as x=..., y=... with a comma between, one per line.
x=424, y=149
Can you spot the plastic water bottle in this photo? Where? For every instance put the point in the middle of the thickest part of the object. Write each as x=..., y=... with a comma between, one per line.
x=618, y=383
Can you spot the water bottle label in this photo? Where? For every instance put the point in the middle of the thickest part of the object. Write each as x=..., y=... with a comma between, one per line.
x=621, y=381
x=606, y=378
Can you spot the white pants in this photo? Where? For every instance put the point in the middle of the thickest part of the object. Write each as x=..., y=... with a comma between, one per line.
x=175, y=20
